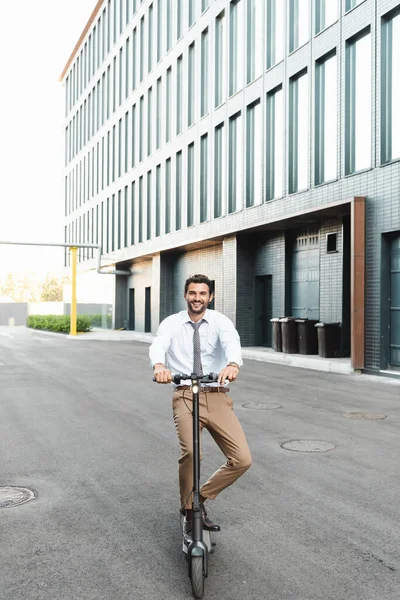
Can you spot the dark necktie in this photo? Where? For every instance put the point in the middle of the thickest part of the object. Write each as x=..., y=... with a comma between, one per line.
x=197, y=366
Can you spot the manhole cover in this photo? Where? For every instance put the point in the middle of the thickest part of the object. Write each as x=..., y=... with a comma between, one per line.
x=14, y=496
x=262, y=405
x=308, y=446
x=366, y=416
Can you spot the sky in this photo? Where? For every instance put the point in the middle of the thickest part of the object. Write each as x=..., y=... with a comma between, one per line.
x=36, y=40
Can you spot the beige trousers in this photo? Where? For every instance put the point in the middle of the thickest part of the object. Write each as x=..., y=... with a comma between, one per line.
x=217, y=416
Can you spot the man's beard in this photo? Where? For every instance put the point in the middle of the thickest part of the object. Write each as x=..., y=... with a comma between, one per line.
x=197, y=309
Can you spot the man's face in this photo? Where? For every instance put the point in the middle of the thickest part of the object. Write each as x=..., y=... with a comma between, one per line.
x=197, y=298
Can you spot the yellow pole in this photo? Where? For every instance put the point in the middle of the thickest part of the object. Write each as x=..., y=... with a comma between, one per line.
x=74, y=250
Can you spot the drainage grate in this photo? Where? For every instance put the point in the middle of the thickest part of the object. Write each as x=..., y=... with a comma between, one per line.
x=14, y=496
x=262, y=405
x=307, y=446
x=365, y=416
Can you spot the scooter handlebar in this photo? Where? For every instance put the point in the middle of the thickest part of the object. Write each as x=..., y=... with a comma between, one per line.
x=178, y=377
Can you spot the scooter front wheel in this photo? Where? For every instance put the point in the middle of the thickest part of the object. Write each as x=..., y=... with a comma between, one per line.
x=197, y=576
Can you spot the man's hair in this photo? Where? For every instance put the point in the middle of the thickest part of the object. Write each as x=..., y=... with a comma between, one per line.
x=199, y=279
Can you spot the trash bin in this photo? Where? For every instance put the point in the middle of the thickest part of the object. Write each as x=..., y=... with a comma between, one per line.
x=307, y=337
x=276, y=334
x=329, y=335
x=289, y=335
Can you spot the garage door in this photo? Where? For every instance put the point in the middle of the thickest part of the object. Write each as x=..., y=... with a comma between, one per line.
x=305, y=275
x=395, y=304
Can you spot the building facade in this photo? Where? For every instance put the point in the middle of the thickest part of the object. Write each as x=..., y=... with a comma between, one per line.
x=256, y=141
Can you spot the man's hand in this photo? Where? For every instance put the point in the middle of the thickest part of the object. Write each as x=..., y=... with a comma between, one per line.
x=162, y=374
x=230, y=372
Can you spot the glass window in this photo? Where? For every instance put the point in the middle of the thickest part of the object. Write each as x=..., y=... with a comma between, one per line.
x=119, y=147
x=178, y=191
x=190, y=185
x=150, y=121
x=298, y=133
x=133, y=137
x=168, y=26
x=204, y=73
x=150, y=39
x=299, y=16
x=275, y=32
x=235, y=163
x=275, y=143
x=126, y=137
x=179, y=84
x=142, y=47
x=168, y=92
x=236, y=46
x=220, y=65
x=119, y=221
x=127, y=66
x=140, y=210
x=358, y=130
x=254, y=39
x=326, y=119
x=149, y=201
x=191, y=84
x=134, y=52
x=159, y=30
x=253, y=153
x=168, y=196
x=179, y=18
x=158, y=200
x=158, y=115
x=191, y=12
x=390, y=87
x=141, y=123
x=326, y=13
x=203, y=178
x=352, y=4
x=204, y=4
x=133, y=213
x=120, y=76
x=125, y=231
x=218, y=169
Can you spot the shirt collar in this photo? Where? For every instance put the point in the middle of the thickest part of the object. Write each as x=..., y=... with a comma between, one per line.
x=187, y=319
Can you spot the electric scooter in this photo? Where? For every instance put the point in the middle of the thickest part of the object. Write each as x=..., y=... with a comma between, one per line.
x=197, y=545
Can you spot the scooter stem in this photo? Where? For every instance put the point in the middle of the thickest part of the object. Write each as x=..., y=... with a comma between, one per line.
x=197, y=523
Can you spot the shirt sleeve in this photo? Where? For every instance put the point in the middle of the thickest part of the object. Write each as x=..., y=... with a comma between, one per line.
x=161, y=343
x=230, y=342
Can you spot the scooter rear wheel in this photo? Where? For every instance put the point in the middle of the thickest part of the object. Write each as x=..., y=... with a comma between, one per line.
x=197, y=576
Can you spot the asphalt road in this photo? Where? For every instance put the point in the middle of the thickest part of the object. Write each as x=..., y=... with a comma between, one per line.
x=83, y=425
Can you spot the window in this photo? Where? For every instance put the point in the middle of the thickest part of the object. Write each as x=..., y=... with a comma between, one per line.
x=253, y=153
x=191, y=12
x=134, y=53
x=126, y=136
x=179, y=17
x=149, y=201
x=331, y=242
x=326, y=13
x=235, y=162
x=358, y=104
x=204, y=73
x=149, y=121
x=179, y=84
x=127, y=66
x=218, y=169
x=150, y=39
x=204, y=5
x=390, y=87
x=158, y=115
x=326, y=119
x=141, y=123
x=178, y=191
x=191, y=93
x=275, y=144
x=190, y=185
x=159, y=29
x=119, y=221
x=158, y=200
x=220, y=66
x=236, y=49
x=168, y=196
x=140, y=211
x=168, y=25
x=298, y=133
x=352, y=4
x=133, y=137
x=142, y=47
x=168, y=93
x=203, y=178
x=299, y=23
x=254, y=39
x=133, y=213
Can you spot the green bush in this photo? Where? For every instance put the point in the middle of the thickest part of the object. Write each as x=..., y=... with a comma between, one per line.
x=58, y=323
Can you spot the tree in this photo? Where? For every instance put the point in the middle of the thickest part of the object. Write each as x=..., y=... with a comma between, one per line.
x=52, y=290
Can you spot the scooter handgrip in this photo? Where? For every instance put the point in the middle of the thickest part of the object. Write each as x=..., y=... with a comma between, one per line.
x=213, y=376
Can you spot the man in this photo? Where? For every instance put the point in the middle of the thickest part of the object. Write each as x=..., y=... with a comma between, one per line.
x=182, y=341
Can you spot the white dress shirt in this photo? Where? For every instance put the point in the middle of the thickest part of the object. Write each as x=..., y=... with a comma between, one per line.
x=173, y=344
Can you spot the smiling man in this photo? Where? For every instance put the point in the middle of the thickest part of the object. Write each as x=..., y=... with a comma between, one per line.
x=199, y=340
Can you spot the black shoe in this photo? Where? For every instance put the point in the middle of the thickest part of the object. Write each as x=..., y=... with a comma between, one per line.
x=207, y=523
